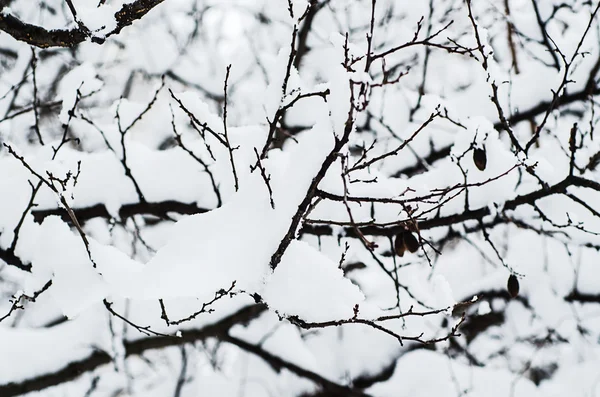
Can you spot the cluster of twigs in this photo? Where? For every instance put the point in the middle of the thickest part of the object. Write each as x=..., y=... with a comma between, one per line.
x=418, y=213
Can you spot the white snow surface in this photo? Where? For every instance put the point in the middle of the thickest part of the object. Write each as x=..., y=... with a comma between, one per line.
x=207, y=252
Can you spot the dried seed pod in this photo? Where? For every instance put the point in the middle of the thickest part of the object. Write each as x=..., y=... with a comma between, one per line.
x=399, y=246
x=410, y=241
x=480, y=158
x=513, y=286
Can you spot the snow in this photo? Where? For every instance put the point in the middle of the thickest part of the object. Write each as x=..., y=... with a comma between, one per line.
x=309, y=285
x=184, y=260
x=82, y=80
x=283, y=339
x=449, y=377
x=194, y=262
x=274, y=93
x=443, y=292
x=99, y=19
x=38, y=350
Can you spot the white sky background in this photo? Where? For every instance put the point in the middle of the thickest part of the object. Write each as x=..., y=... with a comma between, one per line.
x=187, y=259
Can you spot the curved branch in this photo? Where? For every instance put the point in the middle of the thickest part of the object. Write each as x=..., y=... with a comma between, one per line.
x=159, y=209
x=84, y=214
x=277, y=363
x=8, y=256
x=529, y=114
x=44, y=38
x=75, y=369
x=529, y=198
x=303, y=47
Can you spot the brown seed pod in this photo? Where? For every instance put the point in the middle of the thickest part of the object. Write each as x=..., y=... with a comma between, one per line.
x=410, y=241
x=480, y=158
x=399, y=246
x=513, y=286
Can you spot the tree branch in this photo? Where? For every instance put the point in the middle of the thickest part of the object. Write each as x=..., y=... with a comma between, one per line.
x=44, y=38
x=278, y=363
x=98, y=358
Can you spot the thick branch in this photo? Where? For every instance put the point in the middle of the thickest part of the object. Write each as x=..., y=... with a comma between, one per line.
x=581, y=297
x=529, y=114
x=10, y=258
x=44, y=38
x=334, y=389
x=448, y=220
x=289, y=236
x=159, y=209
x=75, y=369
x=303, y=48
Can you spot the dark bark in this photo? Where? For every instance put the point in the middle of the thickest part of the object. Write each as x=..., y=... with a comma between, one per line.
x=40, y=37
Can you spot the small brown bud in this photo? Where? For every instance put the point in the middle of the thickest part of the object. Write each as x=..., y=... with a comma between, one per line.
x=513, y=286
x=410, y=241
x=480, y=158
x=399, y=246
